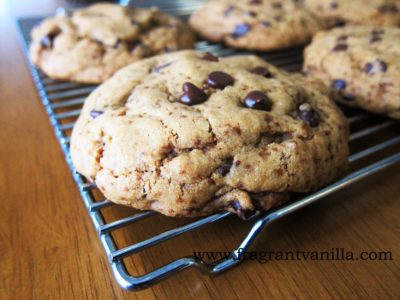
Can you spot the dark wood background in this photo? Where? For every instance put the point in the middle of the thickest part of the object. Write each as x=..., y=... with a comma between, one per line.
x=49, y=248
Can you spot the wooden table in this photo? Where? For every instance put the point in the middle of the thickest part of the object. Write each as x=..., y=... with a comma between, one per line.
x=49, y=248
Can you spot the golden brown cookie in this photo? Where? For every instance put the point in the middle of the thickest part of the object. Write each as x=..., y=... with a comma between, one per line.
x=92, y=43
x=255, y=24
x=188, y=134
x=360, y=64
x=356, y=12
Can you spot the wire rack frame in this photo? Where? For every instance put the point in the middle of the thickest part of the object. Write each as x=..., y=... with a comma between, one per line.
x=66, y=96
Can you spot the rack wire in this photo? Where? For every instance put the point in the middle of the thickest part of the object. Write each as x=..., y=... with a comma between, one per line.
x=63, y=102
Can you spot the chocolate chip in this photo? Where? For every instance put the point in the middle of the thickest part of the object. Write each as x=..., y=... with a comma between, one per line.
x=368, y=68
x=192, y=95
x=255, y=1
x=242, y=213
x=278, y=18
x=132, y=45
x=277, y=5
x=340, y=23
x=377, y=32
x=117, y=43
x=261, y=71
x=169, y=49
x=388, y=8
x=274, y=137
x=48, y=40
x=333, y=5
x=383, y=65
x=375, y=39
x=257, y=100
x=251, y=14
x=240, y=30
x=338, y=84
x=209, y=57
x=95, y=113
x=219, y=80
x=308, y=115
x=340, y=47
x=228, y=10
x=235, y=205
x=265, y=23
x=348, y=97
x=376, y=35
x=376, y=66
x=225, y=167
x=159, y=68
x=342, y=38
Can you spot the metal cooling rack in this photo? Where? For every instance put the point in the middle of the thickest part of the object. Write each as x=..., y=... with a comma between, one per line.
x=63, y=101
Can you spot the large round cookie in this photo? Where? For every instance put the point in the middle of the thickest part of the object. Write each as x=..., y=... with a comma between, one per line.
x=360, y=64
x=188, y=133
x=94, y=42
x=357, y=12
x=255, y=24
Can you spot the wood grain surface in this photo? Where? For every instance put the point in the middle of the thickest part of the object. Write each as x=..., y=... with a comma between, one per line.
x=49, y=248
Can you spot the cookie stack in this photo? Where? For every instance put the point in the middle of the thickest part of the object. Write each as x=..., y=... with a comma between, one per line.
x=189, y=133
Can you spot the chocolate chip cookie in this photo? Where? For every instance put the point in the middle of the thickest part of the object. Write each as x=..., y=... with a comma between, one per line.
x=357, y=12
x=189, y=133
x=360, y=64
x=92, y=43
x=255, y=24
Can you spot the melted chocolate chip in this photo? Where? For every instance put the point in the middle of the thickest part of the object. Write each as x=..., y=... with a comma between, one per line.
x=340, y=47
x=240, y=30
x=159, y=68
x=192, y=95
x=261, y=71
x=342, y=38
x=388, y=8
x=257, y=100
x=95, y=113
x=209, y=57
x=219, y=80
x=48, y=40
x=255, y=1
x=308, y=115
x=338, y=84
x=225, y=167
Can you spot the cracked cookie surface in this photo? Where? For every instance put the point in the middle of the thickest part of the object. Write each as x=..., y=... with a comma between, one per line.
x=255, y=24
x=90, y=44
x=189, y=133
x=360, y=64
x=356, y=12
